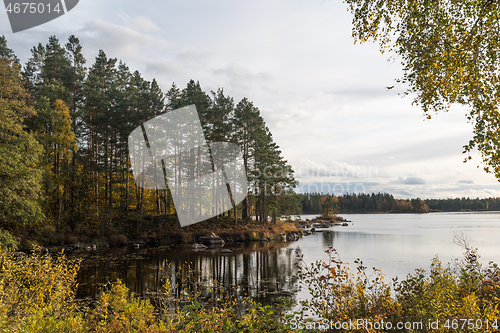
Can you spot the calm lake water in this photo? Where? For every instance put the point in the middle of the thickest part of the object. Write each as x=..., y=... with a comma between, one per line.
x=395, y=243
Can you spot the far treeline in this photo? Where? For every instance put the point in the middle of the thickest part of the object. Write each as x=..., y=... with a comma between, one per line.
x=64, y=161
x=315, y=203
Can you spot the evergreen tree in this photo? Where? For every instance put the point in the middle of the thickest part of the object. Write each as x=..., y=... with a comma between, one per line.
x=193, y=94
x=5, y=51
x=76, y=80
x=57, y=67
x=218, y=116
x=32, y=73
x=174, y=98
x=246, y=121
x=98, y=121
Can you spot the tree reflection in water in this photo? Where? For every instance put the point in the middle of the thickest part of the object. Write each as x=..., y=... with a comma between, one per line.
x=263, y=271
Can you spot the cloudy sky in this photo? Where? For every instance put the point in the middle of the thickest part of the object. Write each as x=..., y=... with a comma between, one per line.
x=324, y=98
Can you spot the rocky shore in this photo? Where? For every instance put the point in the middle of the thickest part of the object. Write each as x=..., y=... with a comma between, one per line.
x=198, y=239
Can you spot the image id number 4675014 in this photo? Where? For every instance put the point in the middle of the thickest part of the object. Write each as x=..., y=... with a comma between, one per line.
x=32, y=8
x=470, y=324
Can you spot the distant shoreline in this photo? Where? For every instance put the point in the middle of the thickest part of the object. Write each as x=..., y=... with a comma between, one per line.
x=434, y=211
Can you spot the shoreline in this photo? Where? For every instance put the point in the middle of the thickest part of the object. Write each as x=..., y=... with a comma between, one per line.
x=165, y=231
x=423, y=212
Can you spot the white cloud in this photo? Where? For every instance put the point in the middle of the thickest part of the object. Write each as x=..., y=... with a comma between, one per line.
x=324, y=98
x=125, y=43
x=162, y=67
x=138, y=22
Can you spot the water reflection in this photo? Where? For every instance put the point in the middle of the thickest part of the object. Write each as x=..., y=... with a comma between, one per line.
x=395, y=243
x=261, y=271
x=328, y=237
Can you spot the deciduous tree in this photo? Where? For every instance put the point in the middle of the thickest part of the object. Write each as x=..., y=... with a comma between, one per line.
x=449, y=50
x=20, y=176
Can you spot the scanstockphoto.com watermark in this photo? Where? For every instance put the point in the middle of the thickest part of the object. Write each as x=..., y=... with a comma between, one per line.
x=338, y=179
x=25, y=15
x=310, y=169
x=269, y=188
x=358, y=324
x=416, y=326
x=332, y=188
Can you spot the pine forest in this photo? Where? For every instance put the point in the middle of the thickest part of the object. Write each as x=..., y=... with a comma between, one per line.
x=65, y=166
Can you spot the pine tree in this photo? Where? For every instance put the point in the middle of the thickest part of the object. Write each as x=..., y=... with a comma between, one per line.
x=32, y=73
x=5, y=51
x=263, y=158
x=124, y=123
x=56, y=66
x=76, y=80
x=219, y=116
x=174, y=98
x=56, y=73
x=246, y=121
x=193, y=94
x=98, y=119
x=157, y=105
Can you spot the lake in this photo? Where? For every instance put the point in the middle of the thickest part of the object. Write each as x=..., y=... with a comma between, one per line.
x=395, y=243
x=399, y=243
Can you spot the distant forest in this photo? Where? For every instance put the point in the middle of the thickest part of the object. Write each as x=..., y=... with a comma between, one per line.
x=315, y=203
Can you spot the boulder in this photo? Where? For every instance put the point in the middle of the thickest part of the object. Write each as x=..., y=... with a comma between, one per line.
x=71, y=248
x=211, y=240
x=42, y=250
x=20, y=254
x=90, y=247
x=197, y=246
x=140, y=241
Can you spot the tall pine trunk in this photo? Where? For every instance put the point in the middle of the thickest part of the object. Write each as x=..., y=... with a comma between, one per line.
x=263, y=208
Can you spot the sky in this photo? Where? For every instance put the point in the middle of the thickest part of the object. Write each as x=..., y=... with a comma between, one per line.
x=324, y=98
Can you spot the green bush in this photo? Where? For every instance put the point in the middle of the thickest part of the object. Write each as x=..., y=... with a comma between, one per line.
x=7, y=241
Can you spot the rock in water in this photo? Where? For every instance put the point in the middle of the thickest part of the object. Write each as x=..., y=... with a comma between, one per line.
x=197, y=246
x=211, y=240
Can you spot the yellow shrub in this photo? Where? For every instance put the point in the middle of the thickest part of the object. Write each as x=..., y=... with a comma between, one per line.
x=118, y=312
x=36, y=286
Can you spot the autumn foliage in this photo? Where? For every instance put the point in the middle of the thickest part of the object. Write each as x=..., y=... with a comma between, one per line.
x=461, y=296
